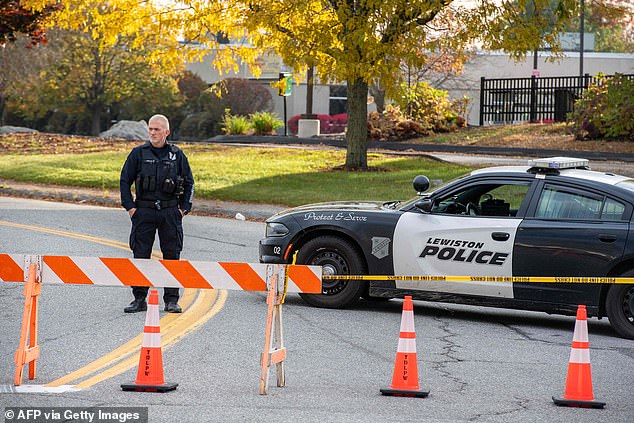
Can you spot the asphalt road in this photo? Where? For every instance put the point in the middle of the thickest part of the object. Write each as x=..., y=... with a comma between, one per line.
x=485, y=365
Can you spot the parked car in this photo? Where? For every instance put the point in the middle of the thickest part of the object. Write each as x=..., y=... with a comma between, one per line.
x=553, y=218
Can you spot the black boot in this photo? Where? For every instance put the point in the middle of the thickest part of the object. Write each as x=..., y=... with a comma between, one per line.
x=136, y=306
x=173, y=308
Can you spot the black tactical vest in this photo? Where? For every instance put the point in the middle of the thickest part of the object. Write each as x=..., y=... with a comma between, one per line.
x=159, y=179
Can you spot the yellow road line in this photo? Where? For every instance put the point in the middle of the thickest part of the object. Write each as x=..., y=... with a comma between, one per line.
x=210, y=300
x=173, y=326
x=126, y=349
x=103, y=241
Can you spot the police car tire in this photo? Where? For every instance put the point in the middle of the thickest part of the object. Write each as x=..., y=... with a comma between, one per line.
x=341, y=256
x=619, y=305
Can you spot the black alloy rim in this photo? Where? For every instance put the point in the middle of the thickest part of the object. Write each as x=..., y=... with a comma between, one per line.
x=333, y=263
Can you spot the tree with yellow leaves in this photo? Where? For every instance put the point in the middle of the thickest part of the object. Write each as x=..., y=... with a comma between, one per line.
x=363, y=41
x=356, y=41
x=108, y=53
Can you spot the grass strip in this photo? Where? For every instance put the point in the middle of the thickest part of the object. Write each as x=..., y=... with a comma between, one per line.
x=284, y=176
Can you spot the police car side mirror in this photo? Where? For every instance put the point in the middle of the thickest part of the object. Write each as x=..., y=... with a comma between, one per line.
x=424, y=205
x=421, y=183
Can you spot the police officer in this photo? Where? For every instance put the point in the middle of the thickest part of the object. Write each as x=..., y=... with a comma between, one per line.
x=164, y=187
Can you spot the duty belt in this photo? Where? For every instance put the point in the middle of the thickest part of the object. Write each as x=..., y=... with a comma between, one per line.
x=158, y=204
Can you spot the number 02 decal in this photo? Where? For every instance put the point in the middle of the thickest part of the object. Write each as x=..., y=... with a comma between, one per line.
x=277, y=250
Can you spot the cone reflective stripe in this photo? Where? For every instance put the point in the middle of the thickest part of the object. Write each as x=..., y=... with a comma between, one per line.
x=150, y=372
x=405, y=376
x=152, y=329
x=578, y=392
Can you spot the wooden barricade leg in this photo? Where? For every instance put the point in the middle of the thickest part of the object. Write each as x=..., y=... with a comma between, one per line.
x=31, y=352
x=274, y=350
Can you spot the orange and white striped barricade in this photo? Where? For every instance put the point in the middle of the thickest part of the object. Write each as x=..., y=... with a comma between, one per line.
x=578, y=392
x=100, y=271
x=76, y=270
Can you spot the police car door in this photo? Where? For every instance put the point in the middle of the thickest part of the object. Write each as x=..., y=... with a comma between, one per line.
x=570, y=231
x=470, y=231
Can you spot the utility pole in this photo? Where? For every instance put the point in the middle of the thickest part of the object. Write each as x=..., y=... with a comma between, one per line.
x=582, y=36
x=535, y=71
x=309, y=91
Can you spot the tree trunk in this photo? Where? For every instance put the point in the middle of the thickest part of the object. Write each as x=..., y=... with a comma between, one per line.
x=378, y=93
x=3, y=110
x=97, y=92
x=357, y=132
x=95, y=119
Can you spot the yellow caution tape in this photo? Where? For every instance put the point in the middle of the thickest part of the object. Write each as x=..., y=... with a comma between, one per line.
x=514, y=279
x=286, y=276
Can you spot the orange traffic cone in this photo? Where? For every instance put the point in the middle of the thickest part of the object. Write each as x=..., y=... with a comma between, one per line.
x=405, y=378
x=578, y=391
x=149, y=376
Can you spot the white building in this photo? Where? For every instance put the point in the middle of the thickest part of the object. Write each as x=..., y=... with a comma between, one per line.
x=330, y=99
x=493, y=65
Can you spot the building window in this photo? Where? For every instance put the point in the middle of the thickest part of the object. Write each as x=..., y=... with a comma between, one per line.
x=338, y=99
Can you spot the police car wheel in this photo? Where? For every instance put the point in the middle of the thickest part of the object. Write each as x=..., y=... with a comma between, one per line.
x=337, y=257
x=619, y=305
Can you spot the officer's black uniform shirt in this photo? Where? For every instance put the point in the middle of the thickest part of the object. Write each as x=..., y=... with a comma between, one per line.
x=131, y=170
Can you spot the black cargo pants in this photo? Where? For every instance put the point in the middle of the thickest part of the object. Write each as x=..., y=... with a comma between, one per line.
x=169, y=224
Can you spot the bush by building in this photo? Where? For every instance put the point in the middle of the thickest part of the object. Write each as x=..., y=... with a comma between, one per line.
x=258, y=123
x=431, y=108
x=605, y=110
x=265, y=123
x=392, y=124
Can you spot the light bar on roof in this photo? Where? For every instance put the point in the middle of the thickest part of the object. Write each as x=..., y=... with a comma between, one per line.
x=559, y=163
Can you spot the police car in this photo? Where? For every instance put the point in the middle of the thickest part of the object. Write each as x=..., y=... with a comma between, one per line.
x=552, y=218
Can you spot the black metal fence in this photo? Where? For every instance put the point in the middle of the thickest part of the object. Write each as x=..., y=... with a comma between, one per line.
x=517, y=100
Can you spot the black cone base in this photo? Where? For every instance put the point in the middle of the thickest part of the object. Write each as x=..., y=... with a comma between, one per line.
x=166, y=387
x=578, y=403
x=404, y=393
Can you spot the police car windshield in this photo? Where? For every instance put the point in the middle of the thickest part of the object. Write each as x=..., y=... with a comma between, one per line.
x=627, y=184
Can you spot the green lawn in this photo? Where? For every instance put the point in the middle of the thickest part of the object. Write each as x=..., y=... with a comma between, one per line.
x=283, y=176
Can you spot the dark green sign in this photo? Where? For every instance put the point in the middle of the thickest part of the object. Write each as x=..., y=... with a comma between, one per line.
x=286, y=88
